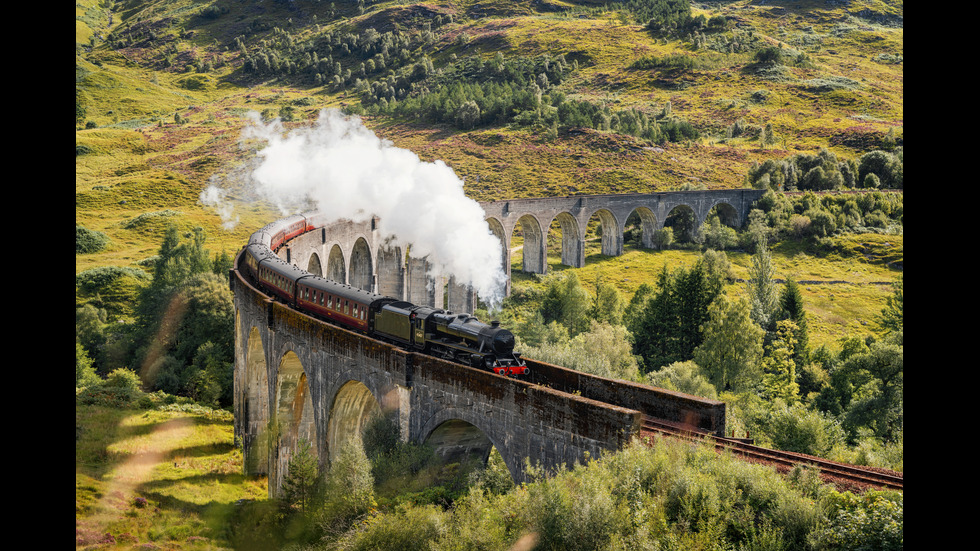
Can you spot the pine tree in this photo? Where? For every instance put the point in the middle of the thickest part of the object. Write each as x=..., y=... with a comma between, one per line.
x=763, y=294
x=791, y=302
x=302, y=478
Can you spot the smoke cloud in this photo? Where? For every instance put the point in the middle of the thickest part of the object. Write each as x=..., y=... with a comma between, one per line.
x=342, y=169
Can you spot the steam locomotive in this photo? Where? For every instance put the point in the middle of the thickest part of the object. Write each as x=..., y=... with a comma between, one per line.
x=461, y=337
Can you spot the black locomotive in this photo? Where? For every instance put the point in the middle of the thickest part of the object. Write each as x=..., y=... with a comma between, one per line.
x=457, y=337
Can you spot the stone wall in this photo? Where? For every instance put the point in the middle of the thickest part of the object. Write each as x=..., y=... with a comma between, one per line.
x=698, y=413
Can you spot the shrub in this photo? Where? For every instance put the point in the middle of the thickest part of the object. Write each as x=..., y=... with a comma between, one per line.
x=122, y=388
x=407, y=529
x=89, y=241
x=196, y=82
x=772, y=55
x=124, y=379
x=798, y=429
x=873, y=521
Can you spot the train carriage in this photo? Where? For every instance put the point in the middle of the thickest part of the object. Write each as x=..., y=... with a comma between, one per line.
x=280, y=277
x=339, y=303
x=287, y=229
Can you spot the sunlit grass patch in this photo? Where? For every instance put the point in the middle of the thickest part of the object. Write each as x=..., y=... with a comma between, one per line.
x=156, y=476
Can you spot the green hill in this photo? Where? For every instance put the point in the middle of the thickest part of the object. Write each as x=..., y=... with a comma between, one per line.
x=575, y=97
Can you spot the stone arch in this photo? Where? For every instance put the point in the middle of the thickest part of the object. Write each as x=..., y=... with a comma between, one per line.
x=645, y=222
x=361, y=266
x=727, y=214
x=336, y=266
x=313, y=266
x=456, y=432
x=612, y=234
x=455, y=440
x=497, y=229
x=353, y=406
x=391, y=271
x=684, y=222
x=294, y=412
x=255, y=406
x=534, y=252
x=572, y=239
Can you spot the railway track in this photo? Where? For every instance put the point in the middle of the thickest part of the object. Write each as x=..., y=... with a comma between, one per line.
x=842, y=475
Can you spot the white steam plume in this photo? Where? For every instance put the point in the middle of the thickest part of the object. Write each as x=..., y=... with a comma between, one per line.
x=342, y=169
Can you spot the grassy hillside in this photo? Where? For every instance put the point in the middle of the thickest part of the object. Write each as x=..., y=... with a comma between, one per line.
x=169, y=477
x=163, y=90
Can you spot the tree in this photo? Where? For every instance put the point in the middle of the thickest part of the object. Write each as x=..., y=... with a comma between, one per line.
x=185, y=306
x=211, y=378
x=567, y=302
x=791, y=302
x=683, y=377
x=90, y=332
x=795, y=428
x=350, y=481
x=767, y=136
x=300, y=484
x=637, y=305
x=717, y=235
x=603, y=350
x=866, y=387
x=670, y=328
x=877, y=401
x=779, y=369
x=731, y=352
x=763, y=294
x=467, y=115
x=608, y=305
x=891, y=317
x=85, y=374
x=663, y=238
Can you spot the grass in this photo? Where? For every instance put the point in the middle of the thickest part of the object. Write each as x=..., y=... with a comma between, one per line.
x=843, y=290
x=167, y=478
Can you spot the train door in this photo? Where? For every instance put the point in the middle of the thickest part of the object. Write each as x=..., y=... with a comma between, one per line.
x=418, y=328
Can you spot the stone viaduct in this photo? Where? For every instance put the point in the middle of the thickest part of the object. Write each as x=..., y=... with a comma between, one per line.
x=298, y=378
x=536, y=217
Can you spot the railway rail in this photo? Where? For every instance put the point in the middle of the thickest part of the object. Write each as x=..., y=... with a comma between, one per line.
x=842, y=475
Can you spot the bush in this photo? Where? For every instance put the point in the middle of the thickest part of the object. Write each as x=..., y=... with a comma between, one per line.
x=122, y=388
x=798, y=429
x=407, y=529
x=196, y=82
x=89, y=241
x=873, y=521
x=772, y=55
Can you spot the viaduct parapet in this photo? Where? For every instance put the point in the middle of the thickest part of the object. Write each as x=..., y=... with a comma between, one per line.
x=298, y=378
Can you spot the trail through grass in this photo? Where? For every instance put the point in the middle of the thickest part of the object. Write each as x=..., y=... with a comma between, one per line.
x=166, y=478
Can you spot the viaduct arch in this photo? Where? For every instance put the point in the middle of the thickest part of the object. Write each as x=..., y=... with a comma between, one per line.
x=300, y=379
x=534, y=218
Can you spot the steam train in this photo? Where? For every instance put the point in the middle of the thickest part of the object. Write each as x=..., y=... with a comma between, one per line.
x=461, y=337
